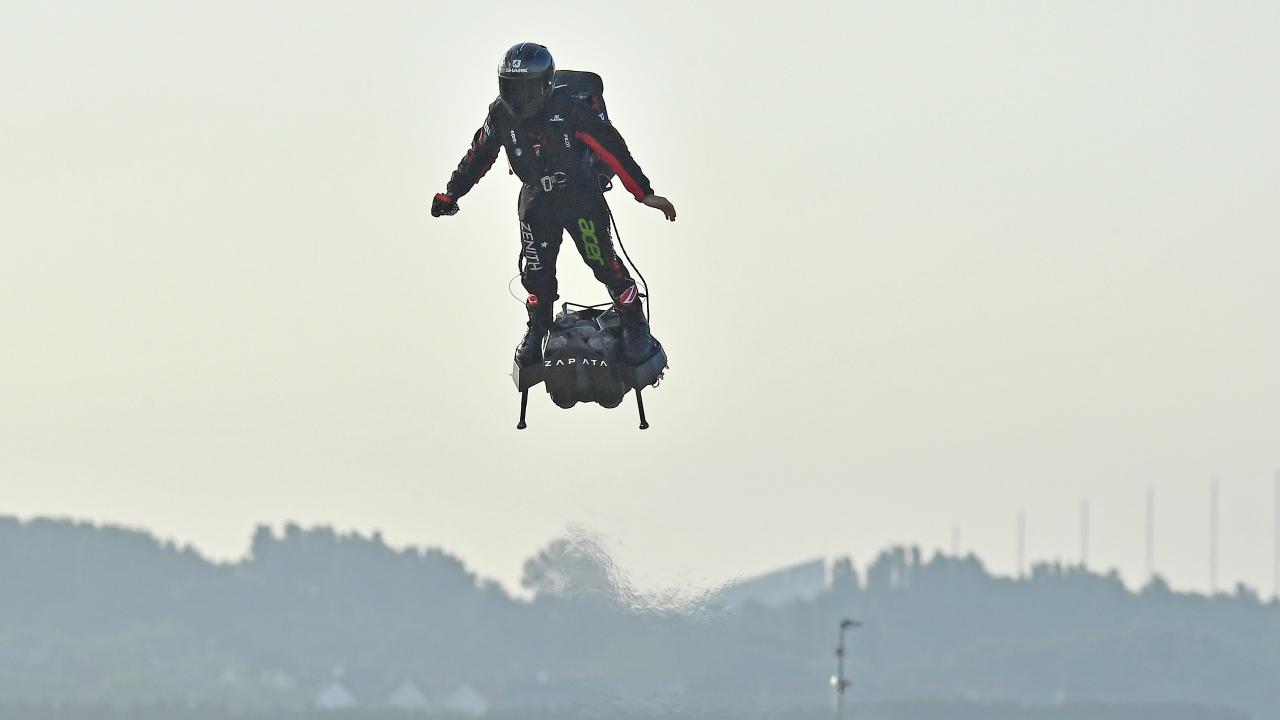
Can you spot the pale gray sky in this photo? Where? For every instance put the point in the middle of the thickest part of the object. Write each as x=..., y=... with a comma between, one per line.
x=936, y=262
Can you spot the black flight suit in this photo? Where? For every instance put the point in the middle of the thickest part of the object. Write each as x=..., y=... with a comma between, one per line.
x=552, y=154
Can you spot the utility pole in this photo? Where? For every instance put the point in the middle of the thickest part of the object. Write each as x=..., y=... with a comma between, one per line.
x=1084, y=534
x=1151, y=534
x=1213, y=536
x=1275, y=521
x=1022, y=544
x=838, y=680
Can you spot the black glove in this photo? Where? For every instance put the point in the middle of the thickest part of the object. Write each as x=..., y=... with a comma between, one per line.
x=443, y=205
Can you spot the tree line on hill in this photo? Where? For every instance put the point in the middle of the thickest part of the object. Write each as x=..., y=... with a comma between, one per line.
x=94, y=616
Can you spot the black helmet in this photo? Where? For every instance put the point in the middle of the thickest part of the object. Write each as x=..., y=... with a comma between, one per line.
x=525, y=79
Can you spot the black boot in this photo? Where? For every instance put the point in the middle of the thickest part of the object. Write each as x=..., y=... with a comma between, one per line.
x=529, y=351
x=637, y=343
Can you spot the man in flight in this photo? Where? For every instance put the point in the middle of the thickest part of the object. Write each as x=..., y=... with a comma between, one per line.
x=551, y=139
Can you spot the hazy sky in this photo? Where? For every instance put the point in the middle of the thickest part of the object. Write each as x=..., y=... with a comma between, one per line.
x=936, y=263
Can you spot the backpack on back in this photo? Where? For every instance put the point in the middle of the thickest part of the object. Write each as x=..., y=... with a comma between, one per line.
x=588, y=87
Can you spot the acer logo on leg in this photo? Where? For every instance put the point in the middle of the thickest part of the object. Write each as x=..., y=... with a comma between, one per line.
x=590, y=362
x=590, y=243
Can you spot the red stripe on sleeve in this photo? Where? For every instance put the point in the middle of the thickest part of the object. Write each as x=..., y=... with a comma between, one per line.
x=628, y=182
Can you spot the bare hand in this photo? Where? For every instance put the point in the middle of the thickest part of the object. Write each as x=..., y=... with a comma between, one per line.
x=663, y=204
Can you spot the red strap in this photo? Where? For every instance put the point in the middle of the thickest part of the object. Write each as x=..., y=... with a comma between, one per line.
x=445, y=198
x=628, y=182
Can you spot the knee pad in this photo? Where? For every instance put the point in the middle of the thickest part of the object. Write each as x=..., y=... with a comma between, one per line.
x=627, y=296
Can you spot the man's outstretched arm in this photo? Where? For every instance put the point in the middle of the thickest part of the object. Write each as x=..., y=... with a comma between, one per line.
x=607, y=143
x=479, y=158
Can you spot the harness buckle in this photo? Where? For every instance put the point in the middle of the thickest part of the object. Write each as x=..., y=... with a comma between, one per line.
x=550, y=182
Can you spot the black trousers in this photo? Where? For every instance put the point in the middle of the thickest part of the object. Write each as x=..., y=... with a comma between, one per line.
x=543, y=220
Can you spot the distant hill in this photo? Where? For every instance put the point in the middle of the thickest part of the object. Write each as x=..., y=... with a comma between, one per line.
x=93, y=615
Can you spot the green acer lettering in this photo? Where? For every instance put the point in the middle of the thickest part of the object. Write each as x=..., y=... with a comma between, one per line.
x=590, y=245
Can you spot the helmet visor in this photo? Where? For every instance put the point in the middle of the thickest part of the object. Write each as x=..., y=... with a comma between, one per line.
x=522, y=95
